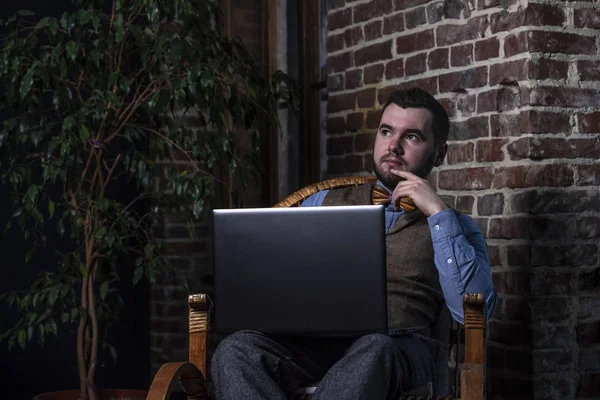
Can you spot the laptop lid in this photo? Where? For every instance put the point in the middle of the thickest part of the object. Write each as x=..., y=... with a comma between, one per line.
x=302, y=270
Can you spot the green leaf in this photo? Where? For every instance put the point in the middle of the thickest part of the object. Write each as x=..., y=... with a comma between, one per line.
x=113, y=352
x=148, y=250
x=21, y=337
x=25, y=13
x=74, y=313
x=30, y=253
x=85, y=16
x=51, y=208
x=83, y=270
x=53, y=295
x=103, y=290
x=100, y=232
x=27, y=81
x=72, y=50
x=137, y=274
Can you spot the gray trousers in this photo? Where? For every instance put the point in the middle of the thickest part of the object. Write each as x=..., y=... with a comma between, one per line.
x=250, y=365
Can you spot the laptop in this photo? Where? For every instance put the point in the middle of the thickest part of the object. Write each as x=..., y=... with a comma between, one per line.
x=301, y=270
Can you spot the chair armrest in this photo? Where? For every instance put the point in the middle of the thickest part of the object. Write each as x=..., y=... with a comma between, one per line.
x=200, y=306
x=473, y=370
x=194, y=384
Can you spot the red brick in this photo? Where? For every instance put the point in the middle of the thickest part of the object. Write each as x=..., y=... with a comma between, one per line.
x=509, y=72
x=466, y=104
x=415, y=17
x=589, y=70
x=533, y=15
x=335, y=42
x=461, y=55
x=588, y=227
x=508, y=228
x=562, y=97
x=353, y=36
x=336, y=125
x=515, y=43
x=491, y=204
x=333, y=4
x=437, y=59
x=534, y=121
x=459, y=153
x=373, y=73
x=353, y=78
x=545, y=68
x=341, y=102
x=450, y=34
x=354, y=121
x=372, y=53
x=458, y=81
x=589, y=123
x=364, y=142
x=335, y=83
x=466, y=178
x=366, y=98
x=485, y=4
x=339, y=62
x=518, y=255
x=393, y=23
x=394, y=69
x=550, y=227
x=555, y=201
x=354, y=163
x=470, y=129
x=505, y=125
x=588, y=175
x=370, y=10
x=373, y=119
x=498, y=100
x=487, y=48
x=511, y=282
x=464, y=204
x=587, y=18
x=340, y=145
x=490, y=150
x=416, y=64
x=554, y=175
x=561, y=42
x=336, y=165
x=494, y=254
x=540, y=149
x=435, y=12
x=368, y=163
x=415, y=42
x=552, y=283
x=404, y=4
x=373, y=30
x=339, y=19
x=428, y=84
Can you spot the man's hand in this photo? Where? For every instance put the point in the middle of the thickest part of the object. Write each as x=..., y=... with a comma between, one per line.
x=419, y=191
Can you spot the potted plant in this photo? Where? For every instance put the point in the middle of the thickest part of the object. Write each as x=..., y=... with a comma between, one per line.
x=93, y=99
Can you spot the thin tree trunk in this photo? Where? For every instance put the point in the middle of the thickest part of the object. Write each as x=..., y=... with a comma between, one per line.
x=81, y=362
x=93, y=392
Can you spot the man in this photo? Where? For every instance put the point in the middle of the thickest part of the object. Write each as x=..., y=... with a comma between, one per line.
x=434, y=256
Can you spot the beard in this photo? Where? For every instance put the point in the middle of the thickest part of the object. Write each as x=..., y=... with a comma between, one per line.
x=390, y=180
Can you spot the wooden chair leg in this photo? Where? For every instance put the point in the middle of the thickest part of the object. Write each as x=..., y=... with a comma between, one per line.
x=190, y=376
x=472, y=385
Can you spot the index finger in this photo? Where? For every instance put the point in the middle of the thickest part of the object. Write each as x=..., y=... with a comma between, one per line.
x=403, y=174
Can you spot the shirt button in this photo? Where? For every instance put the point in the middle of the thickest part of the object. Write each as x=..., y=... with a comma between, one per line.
x=436, y=227
x=449, y=261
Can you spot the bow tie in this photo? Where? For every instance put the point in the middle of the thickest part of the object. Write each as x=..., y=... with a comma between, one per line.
x=379, y=195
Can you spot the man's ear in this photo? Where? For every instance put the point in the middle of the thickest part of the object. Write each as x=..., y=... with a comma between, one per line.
x=441, y=154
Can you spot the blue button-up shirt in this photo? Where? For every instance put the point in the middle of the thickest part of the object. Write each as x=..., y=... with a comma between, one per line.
x=460, y=255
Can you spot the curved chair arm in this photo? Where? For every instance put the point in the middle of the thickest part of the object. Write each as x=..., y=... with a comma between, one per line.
x=294, y=199
x=194, y=384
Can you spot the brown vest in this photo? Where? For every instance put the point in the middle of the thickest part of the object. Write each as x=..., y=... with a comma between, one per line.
x=414, y=293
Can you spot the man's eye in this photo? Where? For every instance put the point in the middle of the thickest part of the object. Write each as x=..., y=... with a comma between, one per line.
x=412, y=137
x=385, y=132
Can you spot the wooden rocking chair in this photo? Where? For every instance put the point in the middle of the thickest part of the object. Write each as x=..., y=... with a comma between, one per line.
x=193, y=373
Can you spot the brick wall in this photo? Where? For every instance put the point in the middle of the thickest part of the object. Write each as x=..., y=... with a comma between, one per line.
x=521, y=81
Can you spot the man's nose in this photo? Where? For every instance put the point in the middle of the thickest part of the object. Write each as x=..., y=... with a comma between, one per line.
x=395, y=146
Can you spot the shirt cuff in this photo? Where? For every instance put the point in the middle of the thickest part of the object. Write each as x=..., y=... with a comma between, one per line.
x=444, y=225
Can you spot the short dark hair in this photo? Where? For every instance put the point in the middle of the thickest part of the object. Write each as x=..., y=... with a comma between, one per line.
x=418, y=98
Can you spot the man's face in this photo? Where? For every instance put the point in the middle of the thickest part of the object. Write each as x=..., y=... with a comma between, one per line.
x=405, y=141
